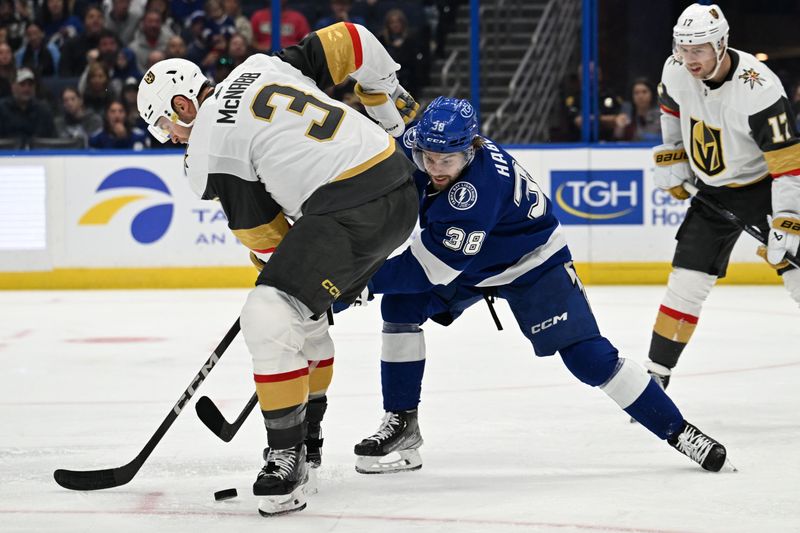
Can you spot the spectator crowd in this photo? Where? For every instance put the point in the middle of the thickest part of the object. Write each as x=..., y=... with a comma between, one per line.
x=70, y=69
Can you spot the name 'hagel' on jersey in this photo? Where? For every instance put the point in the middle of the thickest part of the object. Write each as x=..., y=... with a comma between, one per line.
x=494, y=226
x=736, y=132
x=251, y=139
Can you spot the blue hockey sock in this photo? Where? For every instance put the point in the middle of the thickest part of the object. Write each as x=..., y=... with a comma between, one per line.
x=655, y=410
x=401, y=384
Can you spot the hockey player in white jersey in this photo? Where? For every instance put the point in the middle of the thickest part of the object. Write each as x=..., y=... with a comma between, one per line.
x=489, y=230
x=308, y=183
x=727, y=126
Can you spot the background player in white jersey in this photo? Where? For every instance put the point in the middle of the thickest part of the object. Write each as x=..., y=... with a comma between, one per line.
x=273, y=148
x=487, y=227
x=726, y=123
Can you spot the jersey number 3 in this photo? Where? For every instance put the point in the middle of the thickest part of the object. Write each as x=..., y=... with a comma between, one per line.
x=319, y=130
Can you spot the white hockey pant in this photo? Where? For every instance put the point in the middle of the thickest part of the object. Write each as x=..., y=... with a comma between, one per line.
x=280, y=333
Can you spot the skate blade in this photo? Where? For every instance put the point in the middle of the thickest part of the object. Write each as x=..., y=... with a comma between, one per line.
x=729, y=466
x=311, y=487
x=402, y=461
x=284, y=503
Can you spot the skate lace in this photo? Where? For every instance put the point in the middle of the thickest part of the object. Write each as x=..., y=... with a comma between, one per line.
x=389, y=424
x=694, y=444
x=282, y=462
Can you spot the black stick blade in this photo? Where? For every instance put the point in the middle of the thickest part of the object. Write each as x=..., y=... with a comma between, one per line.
x=95, y=479
x=209, y=414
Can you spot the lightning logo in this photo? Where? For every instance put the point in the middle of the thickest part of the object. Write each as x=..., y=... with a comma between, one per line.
x=462, y=195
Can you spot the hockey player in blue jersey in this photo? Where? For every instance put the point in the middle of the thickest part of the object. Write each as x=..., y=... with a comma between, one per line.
x=487, y=228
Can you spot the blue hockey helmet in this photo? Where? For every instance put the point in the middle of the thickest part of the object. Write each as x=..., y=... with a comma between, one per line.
x=448, y=125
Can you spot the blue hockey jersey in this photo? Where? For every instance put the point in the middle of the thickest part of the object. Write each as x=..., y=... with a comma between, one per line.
x=493, y=226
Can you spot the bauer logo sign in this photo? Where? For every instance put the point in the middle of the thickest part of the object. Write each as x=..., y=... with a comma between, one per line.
x=597, y=196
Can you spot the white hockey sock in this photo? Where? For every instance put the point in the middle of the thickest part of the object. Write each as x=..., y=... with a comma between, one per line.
x=627, y=384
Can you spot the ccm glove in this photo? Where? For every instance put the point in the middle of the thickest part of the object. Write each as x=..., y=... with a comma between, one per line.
x=391, y=112
x=672, y=169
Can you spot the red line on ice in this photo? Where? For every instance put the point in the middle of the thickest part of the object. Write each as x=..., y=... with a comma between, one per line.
x=115, y=340
x=149, y=501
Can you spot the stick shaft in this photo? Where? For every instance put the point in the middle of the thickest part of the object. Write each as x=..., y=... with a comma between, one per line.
x=114, y=477
x=732, y=217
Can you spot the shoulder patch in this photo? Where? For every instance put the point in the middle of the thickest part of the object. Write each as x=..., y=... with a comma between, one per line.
x=462, y=195
x=410, y=138
x=751, y=76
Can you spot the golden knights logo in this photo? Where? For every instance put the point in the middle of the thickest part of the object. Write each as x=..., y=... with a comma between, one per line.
x=707, y=148
x=752, y=77
x=149, y=77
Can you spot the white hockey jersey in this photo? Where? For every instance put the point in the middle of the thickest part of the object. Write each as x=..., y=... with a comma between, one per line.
x=735, y=133
x=270, y=138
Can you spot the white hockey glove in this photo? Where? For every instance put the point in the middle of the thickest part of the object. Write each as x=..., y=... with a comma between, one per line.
x=393, y=111
x=784, y=234
x=672, y=169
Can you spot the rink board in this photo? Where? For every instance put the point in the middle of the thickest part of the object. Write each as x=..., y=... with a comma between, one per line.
x=78, y=220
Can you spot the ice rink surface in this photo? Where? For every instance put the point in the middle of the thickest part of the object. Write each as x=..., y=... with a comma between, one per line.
x=512, y=443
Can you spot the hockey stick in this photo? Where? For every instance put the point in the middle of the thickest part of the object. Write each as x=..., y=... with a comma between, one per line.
x=731, y=217
x=211, y=416
x=115, y=477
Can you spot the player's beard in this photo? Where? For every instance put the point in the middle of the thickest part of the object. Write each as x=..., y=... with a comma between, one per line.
x=701, y=73
x=442, y=183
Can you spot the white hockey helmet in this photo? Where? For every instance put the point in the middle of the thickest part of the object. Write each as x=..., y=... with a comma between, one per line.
x=165, y=80
x=700, y=24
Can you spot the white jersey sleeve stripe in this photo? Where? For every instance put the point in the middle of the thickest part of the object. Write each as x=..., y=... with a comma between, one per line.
x=437, y=271
x=529, y=261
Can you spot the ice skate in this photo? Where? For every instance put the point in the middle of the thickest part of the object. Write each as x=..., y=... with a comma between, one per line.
x=313, y=444
x=313, y=461
x=393, y=448
x=659, y=373
x=700, y=448
x=282, y=482
x=314, y=415
x=313, y=452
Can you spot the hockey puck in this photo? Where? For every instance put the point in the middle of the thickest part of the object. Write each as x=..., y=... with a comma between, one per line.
x=226, y=494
